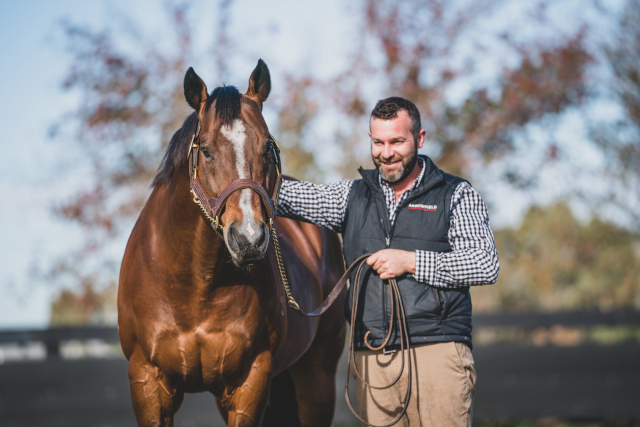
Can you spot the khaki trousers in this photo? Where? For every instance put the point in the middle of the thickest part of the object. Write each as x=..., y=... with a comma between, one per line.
x=442, y=390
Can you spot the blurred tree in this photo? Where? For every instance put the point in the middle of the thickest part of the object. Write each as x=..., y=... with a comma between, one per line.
x=85, y=305
x=620, y=140
x=554, y=263
x=421, y=41
x=132, y=102
x=295, y=112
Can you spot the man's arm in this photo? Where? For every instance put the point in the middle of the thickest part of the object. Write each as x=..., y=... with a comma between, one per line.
x=323, y=205
x=474, y=259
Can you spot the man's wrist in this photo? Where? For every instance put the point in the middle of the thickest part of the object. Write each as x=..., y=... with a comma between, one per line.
x=411, y=263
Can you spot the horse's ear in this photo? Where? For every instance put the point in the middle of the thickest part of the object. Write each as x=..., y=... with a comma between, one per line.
x=259, y=83
x=195, y=91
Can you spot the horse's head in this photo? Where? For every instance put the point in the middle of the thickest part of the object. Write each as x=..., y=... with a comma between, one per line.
x=235, y=144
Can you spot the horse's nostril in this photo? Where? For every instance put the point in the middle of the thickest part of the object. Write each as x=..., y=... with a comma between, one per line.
x=263, y=235
x=233, y=239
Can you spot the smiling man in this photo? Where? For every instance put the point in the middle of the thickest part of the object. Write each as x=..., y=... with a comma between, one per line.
x=430, y=231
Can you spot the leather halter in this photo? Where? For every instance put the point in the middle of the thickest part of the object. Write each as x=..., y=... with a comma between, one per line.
x=212, y=207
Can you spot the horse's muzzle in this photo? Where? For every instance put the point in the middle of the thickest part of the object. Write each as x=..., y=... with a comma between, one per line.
x=247, y=245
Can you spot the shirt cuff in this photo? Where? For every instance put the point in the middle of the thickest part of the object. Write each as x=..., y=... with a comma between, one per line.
x=426, y=268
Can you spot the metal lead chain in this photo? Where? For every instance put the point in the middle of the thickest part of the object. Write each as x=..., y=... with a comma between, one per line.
x=199, y=203
x=292, y=302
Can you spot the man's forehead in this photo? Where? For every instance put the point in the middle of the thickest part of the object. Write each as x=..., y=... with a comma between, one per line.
x=400, y=124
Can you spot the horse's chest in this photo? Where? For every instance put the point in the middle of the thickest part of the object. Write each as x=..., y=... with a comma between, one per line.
x=203, y=341
x=204, y=359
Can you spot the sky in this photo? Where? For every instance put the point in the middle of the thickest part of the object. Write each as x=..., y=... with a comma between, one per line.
x=36, y=172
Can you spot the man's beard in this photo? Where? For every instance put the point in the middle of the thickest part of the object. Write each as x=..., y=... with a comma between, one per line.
x=406, y=166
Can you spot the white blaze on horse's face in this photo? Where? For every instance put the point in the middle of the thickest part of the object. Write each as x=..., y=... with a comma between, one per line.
x=237, y=136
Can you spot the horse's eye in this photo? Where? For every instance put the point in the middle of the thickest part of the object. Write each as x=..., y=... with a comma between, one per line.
x=268, y=149
x=205, y=152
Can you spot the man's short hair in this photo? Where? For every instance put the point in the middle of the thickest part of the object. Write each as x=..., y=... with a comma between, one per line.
x=387, y=109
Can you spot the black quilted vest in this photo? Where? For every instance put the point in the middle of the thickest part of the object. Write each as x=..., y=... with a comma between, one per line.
x=422, y=222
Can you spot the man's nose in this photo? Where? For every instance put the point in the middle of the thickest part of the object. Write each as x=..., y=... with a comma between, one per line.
x=387, y=151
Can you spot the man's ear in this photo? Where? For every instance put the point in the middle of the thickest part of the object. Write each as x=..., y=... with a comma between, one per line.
x=421, y=137
x=259, y=83
x=195, y=91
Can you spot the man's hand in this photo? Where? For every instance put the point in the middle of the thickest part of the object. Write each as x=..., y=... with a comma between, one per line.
x=390, y=263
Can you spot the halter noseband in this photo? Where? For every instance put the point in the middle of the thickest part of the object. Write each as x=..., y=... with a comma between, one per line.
x=212, y=207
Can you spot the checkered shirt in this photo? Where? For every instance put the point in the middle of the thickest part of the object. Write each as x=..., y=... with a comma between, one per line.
x=473, y=260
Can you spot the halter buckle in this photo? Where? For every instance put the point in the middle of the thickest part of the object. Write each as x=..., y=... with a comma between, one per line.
x=192, y=146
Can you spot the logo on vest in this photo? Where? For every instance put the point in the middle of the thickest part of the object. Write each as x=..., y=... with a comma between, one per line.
x=427, y=208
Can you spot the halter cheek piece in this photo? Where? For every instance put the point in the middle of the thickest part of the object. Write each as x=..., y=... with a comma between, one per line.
x=212, y=207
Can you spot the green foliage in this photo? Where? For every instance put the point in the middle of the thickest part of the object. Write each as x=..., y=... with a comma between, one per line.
x=553, y=262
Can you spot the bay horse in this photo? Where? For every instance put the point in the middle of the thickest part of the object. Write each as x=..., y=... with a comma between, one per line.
x=203, y=309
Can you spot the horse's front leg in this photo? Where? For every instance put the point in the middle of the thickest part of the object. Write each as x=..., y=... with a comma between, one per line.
x=155, y=399
x=248, y=401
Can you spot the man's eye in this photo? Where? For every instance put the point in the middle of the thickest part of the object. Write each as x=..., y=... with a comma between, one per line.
x=205, y=152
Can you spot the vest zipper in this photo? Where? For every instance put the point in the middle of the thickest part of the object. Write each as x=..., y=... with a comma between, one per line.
x=385, y=222
x=386, y=225
x=438, y=301
x=389, y=236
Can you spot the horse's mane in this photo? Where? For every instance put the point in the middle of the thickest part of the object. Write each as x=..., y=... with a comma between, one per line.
x=227, y=109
